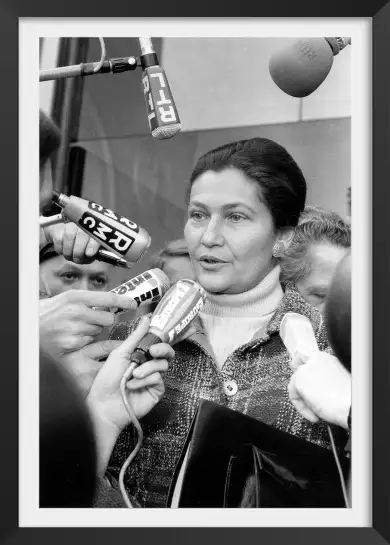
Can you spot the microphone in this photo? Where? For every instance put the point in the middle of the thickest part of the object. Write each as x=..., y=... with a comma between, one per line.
x=163, y=118
x=116, y=233
x=174, y=313
x=297, y=335
x=148, y=287
x=300, y=68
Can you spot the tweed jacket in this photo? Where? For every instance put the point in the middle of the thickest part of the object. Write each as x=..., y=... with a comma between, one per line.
x=260, y=369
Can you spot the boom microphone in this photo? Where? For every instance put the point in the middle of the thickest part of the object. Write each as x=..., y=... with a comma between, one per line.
x=174, y=313
x=163, y=118
x=116, y=233
x=148, y=287
x=300, y=68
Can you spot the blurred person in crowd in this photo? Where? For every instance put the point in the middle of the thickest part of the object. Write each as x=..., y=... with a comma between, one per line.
x=244, y=202
x=68, y=322
x=321, y=387
x=321, y=240
x=76, y=437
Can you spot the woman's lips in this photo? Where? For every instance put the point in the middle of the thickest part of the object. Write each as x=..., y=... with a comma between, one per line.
x=211, y=264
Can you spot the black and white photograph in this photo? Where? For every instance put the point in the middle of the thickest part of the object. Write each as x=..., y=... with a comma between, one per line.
x=196, y=190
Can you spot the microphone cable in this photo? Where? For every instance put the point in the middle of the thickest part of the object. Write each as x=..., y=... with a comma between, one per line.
x=342, y=480
x=127, y=375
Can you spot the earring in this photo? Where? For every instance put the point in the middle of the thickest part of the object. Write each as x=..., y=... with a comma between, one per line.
x=278, y=249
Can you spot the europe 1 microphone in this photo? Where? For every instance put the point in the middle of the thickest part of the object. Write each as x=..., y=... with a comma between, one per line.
x=175, y=312
x=162, y=113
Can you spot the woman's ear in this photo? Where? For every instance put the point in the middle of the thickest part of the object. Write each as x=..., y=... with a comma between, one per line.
x=283, y=241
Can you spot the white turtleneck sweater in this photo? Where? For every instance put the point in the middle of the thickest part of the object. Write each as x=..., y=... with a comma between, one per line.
x=231, y=320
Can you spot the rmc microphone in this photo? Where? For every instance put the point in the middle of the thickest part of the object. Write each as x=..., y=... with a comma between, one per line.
x=163, y=118
x=300, y=68
x=114, y=232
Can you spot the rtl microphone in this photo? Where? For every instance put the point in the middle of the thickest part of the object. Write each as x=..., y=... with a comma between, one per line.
x=163, y=118
x=146, y=288
x=116, y=233
x=300, y=68
x=174, y=313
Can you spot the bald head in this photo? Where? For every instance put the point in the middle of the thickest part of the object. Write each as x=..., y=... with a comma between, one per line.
x=338, y=312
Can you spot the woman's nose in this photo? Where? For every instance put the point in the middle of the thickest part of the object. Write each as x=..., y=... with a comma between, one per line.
x=212, y=235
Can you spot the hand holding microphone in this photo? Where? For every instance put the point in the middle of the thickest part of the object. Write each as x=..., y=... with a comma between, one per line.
x=68, y=321
x=320, y=387
x=101, y=227
x=142, y=392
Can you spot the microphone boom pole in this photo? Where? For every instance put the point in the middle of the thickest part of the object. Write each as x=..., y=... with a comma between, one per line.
x=114, y=66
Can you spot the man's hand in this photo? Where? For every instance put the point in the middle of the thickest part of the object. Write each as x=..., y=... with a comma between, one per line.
x=70, y=241
x=321, y=388
x=68, y=322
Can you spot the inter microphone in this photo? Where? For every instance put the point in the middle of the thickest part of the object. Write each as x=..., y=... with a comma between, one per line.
x=173, y=315
x=162, y=113
x=300, y=68
x=146, y=288
x=114, y=232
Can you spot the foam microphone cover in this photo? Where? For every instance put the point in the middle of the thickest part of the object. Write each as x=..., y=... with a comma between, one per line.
x=67, y=453
x=300, y=68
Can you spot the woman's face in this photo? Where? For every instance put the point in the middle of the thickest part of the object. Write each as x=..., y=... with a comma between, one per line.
x=229, y=232
x=324, y=258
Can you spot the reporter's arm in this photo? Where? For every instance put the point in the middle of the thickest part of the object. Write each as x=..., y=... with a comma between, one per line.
x=321, y=388
x=69, y=322
x=105, y=401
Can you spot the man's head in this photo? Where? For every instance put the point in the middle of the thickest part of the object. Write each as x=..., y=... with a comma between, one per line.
x=58, y=274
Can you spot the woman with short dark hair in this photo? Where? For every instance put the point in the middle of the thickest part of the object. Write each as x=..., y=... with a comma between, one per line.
x=244, y=201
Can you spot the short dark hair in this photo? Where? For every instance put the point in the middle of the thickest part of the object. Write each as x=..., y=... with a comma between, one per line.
x=49, y=138
x=282, y=184
x=315, y=225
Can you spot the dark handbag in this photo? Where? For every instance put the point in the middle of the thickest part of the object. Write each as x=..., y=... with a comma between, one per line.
x=234, y=460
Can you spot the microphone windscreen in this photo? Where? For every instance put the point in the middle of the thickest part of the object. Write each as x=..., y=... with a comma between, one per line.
x=300, y=68
x=166, y=131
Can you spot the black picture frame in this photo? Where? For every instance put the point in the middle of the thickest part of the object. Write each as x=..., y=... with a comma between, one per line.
x=10, y=12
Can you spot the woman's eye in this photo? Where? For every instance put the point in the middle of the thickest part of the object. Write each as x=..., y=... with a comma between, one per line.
x=197, y=216
x=236, y=217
